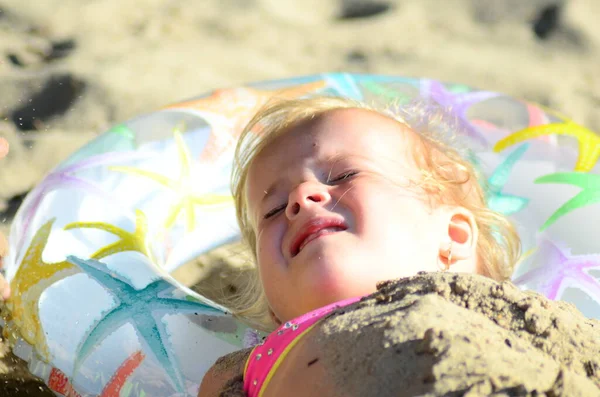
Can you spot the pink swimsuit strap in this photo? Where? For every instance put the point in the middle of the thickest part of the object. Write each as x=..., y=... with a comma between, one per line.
x=266, y=356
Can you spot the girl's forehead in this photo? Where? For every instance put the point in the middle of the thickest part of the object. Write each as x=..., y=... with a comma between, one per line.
x=338, y=132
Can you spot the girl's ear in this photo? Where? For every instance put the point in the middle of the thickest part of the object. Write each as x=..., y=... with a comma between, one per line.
x=458, y=243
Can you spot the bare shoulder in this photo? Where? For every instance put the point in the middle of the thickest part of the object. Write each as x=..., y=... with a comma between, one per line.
x=225, y=372
x=303, y=372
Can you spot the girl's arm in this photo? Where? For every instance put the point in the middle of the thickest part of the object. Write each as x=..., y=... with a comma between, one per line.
x=225, y=375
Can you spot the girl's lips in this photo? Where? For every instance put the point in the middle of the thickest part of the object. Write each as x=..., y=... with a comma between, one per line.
x=322, y=232
x=313, y=229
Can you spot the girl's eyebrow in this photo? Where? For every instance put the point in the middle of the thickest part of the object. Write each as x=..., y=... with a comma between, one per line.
x=334, y=158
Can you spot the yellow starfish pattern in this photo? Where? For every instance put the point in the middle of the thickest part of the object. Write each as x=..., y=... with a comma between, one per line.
x=135, y=241
x=589, y=142
x=186, y=200
x=32, y=278
x=229, y=110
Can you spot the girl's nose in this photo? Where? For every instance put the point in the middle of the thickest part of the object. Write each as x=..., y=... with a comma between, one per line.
x=304, y=196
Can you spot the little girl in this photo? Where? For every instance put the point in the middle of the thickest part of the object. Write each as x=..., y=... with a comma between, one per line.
x=332, y=197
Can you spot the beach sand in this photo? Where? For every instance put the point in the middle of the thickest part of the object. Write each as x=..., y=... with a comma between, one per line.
x=448, y=334
x=70, y=69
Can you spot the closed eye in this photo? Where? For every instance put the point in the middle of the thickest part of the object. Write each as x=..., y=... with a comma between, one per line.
x=275, y=211
x=344, y=176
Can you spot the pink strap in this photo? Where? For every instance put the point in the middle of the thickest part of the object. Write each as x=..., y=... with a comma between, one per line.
x=266, y=357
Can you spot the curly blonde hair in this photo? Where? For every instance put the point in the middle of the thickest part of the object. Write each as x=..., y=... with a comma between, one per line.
x=447, y=176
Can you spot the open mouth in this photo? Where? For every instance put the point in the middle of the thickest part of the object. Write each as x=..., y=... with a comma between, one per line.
x=314, y=230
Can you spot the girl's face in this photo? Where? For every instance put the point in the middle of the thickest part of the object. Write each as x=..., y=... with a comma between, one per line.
x=333, y=212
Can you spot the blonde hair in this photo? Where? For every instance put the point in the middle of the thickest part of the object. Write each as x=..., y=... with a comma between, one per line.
x=447, y=176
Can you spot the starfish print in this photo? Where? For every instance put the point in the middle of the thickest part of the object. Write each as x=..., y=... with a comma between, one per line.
x=118, y=139
x=32, y=278
x=136, y=307
x=116, y=383
x=349, y=85
x=505, y=203
x=590, y=183
x=59, y=382
x=227, y=111
x=458, y=103
x=589, y=142
x=124, y=131
x=387, y=91
x=135, y=241
x=186, y=200
x=561, y=270
x=343, y=84
x=536, y=116
x=64, y=178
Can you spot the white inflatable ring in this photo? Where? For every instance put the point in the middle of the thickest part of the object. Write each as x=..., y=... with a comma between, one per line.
x=94, y=310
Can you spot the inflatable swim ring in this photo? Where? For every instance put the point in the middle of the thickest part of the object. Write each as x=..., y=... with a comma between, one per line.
x=94, y=310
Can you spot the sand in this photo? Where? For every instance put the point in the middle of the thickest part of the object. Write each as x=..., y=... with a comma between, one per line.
x=70, y=69
x=448, y=334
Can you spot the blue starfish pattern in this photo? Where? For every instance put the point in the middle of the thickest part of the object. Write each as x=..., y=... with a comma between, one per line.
x=391, y=90
x=458, y=103
x=343, y=84
x=349, y=85
x=135, y=307
x=505, y=203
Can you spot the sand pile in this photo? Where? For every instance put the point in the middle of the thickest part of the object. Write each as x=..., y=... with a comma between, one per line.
x=448, y=334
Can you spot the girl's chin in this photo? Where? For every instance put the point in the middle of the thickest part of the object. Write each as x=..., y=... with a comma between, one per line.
x=326, y=291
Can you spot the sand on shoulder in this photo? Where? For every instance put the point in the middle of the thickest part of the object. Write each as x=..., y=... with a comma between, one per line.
x=441, y=334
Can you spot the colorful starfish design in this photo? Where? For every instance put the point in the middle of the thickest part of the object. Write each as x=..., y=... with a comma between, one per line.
x=458, y=103
x=136, y=307
x=505, y=203
x=590, y=183
x=59, y=382
x=589, y=142
x=32, y=278
x=343, y=84
x=382, y=87
x=64, y=178
x=186, y=200
x=119, y=138
x=536, y=116
x=135, y=241
x=388, y=92
x=116, y=383
x=227, y=111
x=561, y=270
x=349, y=85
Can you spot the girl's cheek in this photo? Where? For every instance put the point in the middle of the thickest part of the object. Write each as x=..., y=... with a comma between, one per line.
x=267, y=241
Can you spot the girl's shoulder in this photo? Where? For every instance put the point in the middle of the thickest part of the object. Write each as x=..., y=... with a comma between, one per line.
x=225, y=374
